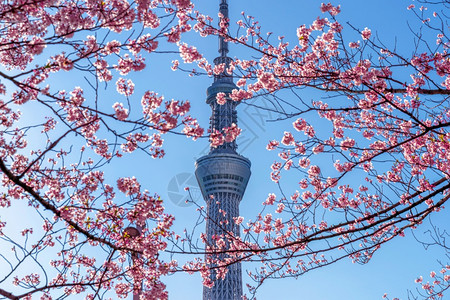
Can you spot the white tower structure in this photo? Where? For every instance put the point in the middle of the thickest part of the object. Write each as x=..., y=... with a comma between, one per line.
x=223, y=175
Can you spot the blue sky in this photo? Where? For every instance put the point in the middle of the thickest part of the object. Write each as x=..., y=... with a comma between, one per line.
x=392, y=270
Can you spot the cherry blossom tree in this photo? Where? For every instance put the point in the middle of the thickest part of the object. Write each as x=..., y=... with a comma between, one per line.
x=55, y=145
x=371, y=154
x=382, y=123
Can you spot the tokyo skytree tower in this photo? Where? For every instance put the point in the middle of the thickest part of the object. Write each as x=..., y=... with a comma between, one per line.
x=223, y=175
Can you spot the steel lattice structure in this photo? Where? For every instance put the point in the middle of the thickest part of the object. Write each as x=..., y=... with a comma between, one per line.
x=223, y=175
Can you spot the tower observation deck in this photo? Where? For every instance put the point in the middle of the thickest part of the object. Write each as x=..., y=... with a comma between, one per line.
x=222, y=175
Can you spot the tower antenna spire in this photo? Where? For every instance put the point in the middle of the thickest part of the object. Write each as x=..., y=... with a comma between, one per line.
x=223, y=44
x=223, y=47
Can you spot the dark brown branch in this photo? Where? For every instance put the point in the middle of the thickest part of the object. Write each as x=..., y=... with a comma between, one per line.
x=8, y=295
x=391, y=90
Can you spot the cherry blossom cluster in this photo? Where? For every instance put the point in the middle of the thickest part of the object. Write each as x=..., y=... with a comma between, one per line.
x=228, y=135
x=435, y=286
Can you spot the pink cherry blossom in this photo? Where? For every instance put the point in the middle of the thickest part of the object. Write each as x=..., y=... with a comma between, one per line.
x=221, y=100
x=125, y=87
x=366, y=33
x=120, y=111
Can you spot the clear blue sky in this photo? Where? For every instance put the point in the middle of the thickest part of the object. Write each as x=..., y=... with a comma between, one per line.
x=393, y=268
